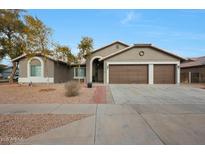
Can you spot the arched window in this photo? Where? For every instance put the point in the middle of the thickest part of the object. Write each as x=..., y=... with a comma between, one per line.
x=35, y=68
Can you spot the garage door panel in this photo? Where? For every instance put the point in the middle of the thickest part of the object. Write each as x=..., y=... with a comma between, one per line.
x=164, y=74
x=128, y=74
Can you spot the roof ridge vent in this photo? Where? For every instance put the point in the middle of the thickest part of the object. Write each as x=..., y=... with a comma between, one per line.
x=142, y=44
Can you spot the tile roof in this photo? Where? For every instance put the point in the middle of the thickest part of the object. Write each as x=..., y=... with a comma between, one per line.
x=196, y=61
x=62, y=60
x=39, y=54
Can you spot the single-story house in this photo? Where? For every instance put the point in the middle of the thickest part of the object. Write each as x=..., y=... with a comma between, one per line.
x=114, y=63
x=46, y=69
x=193, y=70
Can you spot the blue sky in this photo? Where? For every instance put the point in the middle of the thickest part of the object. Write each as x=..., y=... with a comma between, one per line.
x=178, y=31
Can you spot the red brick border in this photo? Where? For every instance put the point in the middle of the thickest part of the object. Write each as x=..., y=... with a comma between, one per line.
x=100, y=95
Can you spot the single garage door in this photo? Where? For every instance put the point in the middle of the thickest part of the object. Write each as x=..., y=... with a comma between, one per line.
x=128, y=74
x=164, y=74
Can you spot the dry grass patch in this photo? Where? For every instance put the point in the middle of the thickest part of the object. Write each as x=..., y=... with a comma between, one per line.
x=47, y=90
x=16, y=127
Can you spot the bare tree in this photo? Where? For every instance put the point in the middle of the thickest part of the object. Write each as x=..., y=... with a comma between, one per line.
x=85, y=48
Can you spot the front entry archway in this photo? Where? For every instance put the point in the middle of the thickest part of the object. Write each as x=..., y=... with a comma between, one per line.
x=96, y=70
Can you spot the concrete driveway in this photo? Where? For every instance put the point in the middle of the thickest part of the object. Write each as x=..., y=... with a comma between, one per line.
x=156, y=94
x=167, y=114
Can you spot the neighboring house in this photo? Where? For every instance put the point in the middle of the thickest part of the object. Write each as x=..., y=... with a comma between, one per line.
x=113, y=63
x=7, y=72
x=193, y=70
x=2, y=67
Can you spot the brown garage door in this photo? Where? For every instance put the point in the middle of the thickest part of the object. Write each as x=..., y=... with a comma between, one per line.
x=128, y=74
x=164, y=74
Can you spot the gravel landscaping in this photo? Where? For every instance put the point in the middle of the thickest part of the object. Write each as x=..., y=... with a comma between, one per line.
x=16, y=127
x=52, y=93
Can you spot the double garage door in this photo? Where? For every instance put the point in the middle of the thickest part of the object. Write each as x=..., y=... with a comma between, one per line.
x=126, y=74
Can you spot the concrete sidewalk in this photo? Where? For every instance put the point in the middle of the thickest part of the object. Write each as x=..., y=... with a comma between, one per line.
x=78, y=132
x=121, y=124
x=47, y=108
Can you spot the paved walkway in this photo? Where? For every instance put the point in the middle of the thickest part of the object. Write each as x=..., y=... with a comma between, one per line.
x=120, y=124
x=100, y=95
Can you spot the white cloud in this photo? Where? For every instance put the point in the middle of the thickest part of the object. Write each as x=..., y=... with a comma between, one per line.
x=131, y=16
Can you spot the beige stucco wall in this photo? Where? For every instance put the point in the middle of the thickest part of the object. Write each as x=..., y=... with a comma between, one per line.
x=132, y=55
x=150, y=54
x=48, y=67
x=23, y=68
x=63, y=73
x=101, y=53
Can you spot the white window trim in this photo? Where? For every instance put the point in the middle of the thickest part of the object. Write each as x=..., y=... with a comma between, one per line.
x=35, y=78
x=76, y=77
x=151, y=76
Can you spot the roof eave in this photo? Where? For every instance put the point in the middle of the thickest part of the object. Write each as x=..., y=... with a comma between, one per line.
x=142, y=45
x=24, y=55
x=171, y=54
x=18, y=58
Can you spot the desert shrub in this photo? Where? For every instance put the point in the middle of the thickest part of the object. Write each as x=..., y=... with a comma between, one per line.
x=72, y=88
